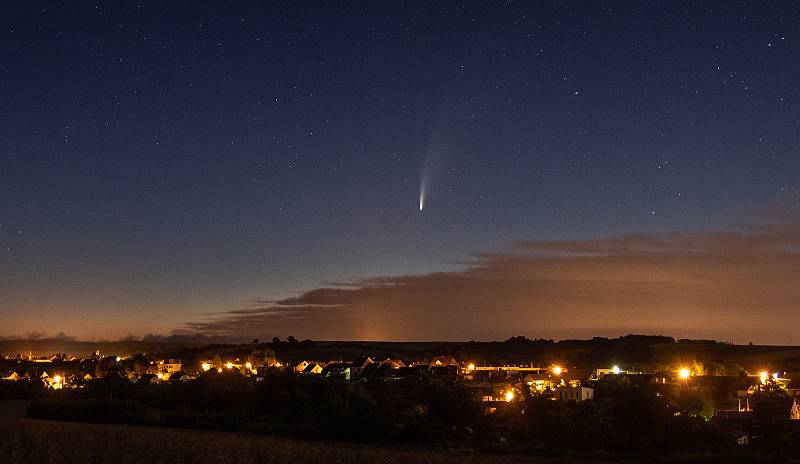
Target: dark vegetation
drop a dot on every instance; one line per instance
(628, 350)
(627, 420)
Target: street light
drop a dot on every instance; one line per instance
(684, 373)
(616, 370)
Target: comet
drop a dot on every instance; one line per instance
(430, 166)
(424, 182)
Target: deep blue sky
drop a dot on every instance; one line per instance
(160, 161)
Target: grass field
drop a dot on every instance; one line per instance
(30, 440)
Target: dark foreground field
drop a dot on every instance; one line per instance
(31, 440)
(26, 440)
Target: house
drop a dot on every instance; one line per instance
(541, 382)
(312, 368)
(12, 377)
(443, 361)
(55, 382)
(575, 377)
(170, 366)
(337, 369)
(600, 372)
(383, 370)
(574, 393)
(393, 363)
(492, 392)
(300, 367)
(793, 388)
(358, 366)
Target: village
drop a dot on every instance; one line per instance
(764, 395)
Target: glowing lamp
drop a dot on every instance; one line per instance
(557, 370)
(509, 396)
(684, 373)
(471, 367)
(615, 370)
(229, 365)
(764, 376)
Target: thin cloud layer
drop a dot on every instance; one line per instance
(735, 286)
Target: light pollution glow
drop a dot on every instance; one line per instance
(735, 285)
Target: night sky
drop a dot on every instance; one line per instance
(256, 170)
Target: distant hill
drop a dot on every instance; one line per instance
(630, 350)
(48, 346)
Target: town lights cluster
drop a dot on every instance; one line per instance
(764, 376)
(558, 382)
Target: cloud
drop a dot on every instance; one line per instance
(732, 285)
(62, 337)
